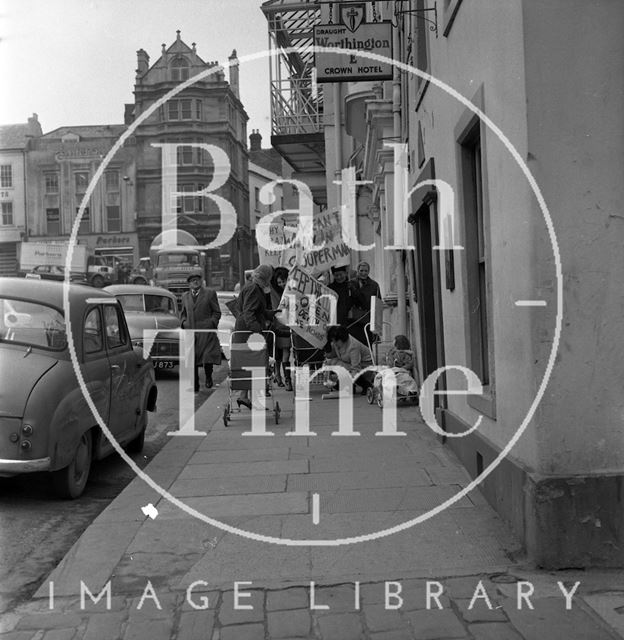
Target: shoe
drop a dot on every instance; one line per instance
(209, 383)
(288, 385)
(244, 402)
(278, 380)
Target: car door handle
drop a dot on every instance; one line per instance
(115, 367)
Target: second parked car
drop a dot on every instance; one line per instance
(152, 308)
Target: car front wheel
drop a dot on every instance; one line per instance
(71, 481)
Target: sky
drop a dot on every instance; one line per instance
(73, 62)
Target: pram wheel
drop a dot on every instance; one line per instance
(370, 395)
(277, 412)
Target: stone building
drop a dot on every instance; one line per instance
(530, 302)
(207, 112)
(14, 143)
(61, 166)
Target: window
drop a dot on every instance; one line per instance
(115, 333)
(53, 222)
(182, 109)
(92, 336)
(85, 221)
(179, 69)
(198, 109)
(81, 180)
(449, 13)
(112, 181)
(7, 213)
(173, 112)
(51, 183)
(477, 270)
(185, 108)
(188, 202)
(113, 219)
(6, 175)
(257, 198)
(185, 155)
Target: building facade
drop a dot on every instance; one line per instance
(14, 144)
(208, 112)
(61, 166)
(479, 285)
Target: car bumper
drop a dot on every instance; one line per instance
(13, 467)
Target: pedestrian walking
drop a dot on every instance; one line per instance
(200, 310)
(363, 288)
(254, 313)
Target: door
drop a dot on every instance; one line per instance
(428, 281)
(125, 372)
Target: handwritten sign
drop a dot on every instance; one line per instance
(328, 234)
(313, 309)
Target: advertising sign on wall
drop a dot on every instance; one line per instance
(360, 36)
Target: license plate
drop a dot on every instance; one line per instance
(163, 364)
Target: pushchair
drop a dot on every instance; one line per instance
(303, 354)
(258, 352)
(404, 384)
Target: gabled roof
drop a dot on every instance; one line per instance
(14, 136)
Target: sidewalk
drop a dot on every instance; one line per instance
(265, 485)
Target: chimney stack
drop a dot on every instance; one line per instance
(142, 62)
(255, 140)
(234, 74)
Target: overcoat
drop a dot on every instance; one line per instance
(253, 311)
(203, 313)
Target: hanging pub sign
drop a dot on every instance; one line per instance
(353, 32)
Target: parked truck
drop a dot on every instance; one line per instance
(171, 266)
(85, 265)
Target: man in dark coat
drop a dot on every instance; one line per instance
(343, 290)
(363, 288)
(200, 310)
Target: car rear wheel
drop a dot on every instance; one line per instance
(71, 481)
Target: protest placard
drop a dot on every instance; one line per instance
(306, 293)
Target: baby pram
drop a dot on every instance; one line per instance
(402, 383)
(247, 350)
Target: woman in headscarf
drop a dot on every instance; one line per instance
(253, 313)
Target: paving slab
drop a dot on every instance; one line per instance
(240, 455)
(240, 469)
(93, 557)
(551, 614)
(231, 485)
(240, 505)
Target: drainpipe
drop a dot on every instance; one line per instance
(401, 320)
(337, 135)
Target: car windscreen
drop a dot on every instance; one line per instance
(32, 324)
(148, 303)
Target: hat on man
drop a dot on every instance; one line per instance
(343, 268)
(194, 274)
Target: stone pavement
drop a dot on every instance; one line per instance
(458, 574)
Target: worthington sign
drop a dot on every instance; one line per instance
(373, 37)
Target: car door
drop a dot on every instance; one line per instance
(126, 375)
(95, 367)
